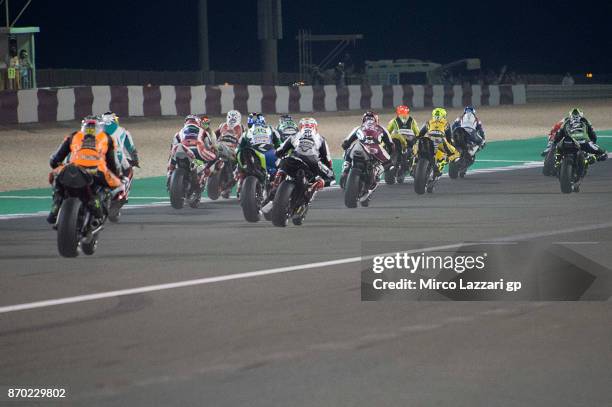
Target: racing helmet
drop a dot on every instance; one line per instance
(233, 117)
(369, 116)
(110, 121)
(193, 119)
(204, 122)
(438, 114)
(89, 126)
(308, 123)
(469, 109)
(576, 113)
(259, 120)
(402, 112)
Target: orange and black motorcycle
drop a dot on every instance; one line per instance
(83, 210)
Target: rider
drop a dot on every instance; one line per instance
(265, 139)
(194, 136)
(127, 154)
(469, 120)
(370, 132)
(312, 148)
(580, 129)
(309, 146)
(286, 127)
(251, 119)
(227, 136)
(439, 131)
(93, 150)
(401, 126)
(551, 136)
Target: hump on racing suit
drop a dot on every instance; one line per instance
(197, 140)
(312, 148)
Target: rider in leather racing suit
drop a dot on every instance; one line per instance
(309, 146)
(404, 127)
(439, 131)
(372, 132)
(127, 155)
(93, 150)
(551, 136)
(200, 142)
(227, 136)
(469, 120)
(265, 139)
(286, 127)
(580, 129)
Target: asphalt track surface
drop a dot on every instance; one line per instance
(304, 338)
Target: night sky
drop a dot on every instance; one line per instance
(528, 36)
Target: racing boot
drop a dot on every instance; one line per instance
(346, 166)
(55, 207)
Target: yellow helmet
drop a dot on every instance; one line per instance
(438, 113)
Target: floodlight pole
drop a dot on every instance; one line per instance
(203, 54)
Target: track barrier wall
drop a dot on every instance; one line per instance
(59, 104)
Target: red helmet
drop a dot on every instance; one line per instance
(369, 116)
(402, 111)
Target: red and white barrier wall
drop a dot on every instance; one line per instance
(49, 105)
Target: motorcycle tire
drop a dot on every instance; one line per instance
(352, 188)
(213, 185)
(249, 199)
(566, 174)
(177, 188)
(68, 227)
(454, 168)
(421, 175)
(282, 204)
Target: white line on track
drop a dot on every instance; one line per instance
(279, 270)
(525, 165)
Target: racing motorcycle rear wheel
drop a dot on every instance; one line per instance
(282, 204)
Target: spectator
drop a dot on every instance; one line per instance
(316, 76)
(339, 75)
(25, 69)
(13, 67)
(567, 80)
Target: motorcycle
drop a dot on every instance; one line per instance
(254, 185)
(402, 161)
(465, 142)
(293, 195)
(573, 165)
(82, 213)
(185, 184)
(425, 163)
(221, 179)
(365, 169)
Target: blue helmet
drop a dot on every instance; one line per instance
(259, 120)
(469, 109)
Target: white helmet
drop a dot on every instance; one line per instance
(309, 123)
(234, 117)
